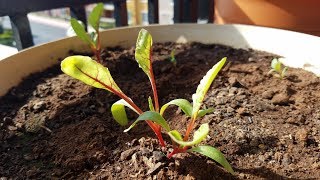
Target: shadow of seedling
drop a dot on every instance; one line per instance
(257, 145)
(266, 173)
(202, 168)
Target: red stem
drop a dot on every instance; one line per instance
(98, 50)
(177, 150)
(153, 84)
(156, 128)
(155, 96)
(189, 129)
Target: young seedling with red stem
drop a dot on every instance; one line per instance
(94, 39)
(96, 75)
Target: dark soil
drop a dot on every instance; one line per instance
(54, 127)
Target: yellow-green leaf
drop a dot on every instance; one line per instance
(198, 136)
(184, 104)
(276, 65)
(143, 51)
(90, 72)
(214, 154)
(94, 17)
(152, 116)
(203, 112)
(204, 86)
(119, 113)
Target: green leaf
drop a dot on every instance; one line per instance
(90, 72)
(119, 113)
(152, 116)
(198, 136)
(203, 112)
(204, 86)
(80, 31)
(276, 65)
(143, 51)
(184, 104)
(172, 57)
(214, 154)
(94, 17)
(150, 104)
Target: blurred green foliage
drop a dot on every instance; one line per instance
(6, 38)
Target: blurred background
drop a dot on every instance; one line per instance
(53, 24)
(25, 23)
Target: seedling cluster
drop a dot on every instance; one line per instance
(277, 68)
(93, 73)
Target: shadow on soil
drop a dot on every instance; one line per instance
(266, 173)
(256, 145)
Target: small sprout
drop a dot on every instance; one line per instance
(95, 74)
(93, 40)
(173, 58)
(276, 66)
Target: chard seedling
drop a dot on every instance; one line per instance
(276, 66)
(93, 40)
(173, 58)
(92, 73)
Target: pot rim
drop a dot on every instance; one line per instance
(300, 50)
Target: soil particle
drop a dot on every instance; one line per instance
(38, 106)
(155, 168)
(158, 156)
(280, 99)
(268, 94)
(302, 135)
(243, 111)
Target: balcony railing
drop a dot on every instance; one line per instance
(17, 10)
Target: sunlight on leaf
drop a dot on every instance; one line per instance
(276, 65)
(143, 51)
(198, 136)
(90, 72)
(94, 17)
(204, 86)
(80, 31)
(184, 104)
(214, 154)
(119, 113)
(152, 116)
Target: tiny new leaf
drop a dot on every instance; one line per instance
(204, 86)
(184, 104)
(119, 113)
(214, 154)
(172, 57)
(81, 32)
(203, 112)
(143, 51)
(94, 17)
(152, 116)
(198, 136)
(276, 65)
(151, 107)
(90, 72)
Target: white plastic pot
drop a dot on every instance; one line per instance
(299, 50)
